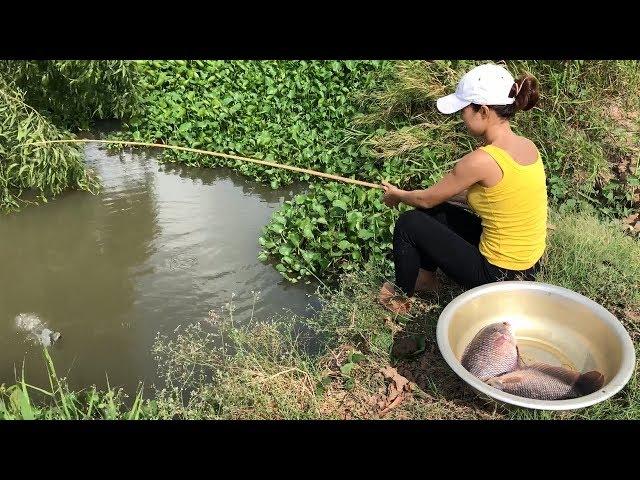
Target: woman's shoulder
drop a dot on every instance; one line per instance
(482, 154)
(528, 142)
(517, 141)
(518, 148)
(478, 156)
(477, 160)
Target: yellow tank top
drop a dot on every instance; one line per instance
(513, 212)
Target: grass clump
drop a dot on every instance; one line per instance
(23, 401)
(43, 100)
(35, 171)
(216, 370)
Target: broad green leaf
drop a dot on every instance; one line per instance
(340, 204)
(344, 245)
(365, 234)
(347, 368)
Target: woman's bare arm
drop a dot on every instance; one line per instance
(471, 169)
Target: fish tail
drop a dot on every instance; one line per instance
(495, 382)
(589, 382)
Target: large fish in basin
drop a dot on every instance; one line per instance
(548, 382)
(492, 352)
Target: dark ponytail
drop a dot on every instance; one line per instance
(526, 92)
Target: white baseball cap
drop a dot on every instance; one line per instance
(487, 84)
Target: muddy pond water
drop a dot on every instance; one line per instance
(160, 246)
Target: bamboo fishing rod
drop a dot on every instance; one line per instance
(214, 154)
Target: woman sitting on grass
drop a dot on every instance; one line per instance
(503, 182)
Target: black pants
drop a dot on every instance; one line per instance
(445, 237)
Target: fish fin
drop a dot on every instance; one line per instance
(513, 377)
(501, 381)
(590, 382)
(495, 382)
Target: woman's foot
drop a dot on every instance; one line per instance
(386, 292)
(391, 301)
(427, 281)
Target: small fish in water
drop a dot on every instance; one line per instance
(47, 337)
(492, 352)
(31, 324)
(547, 382)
